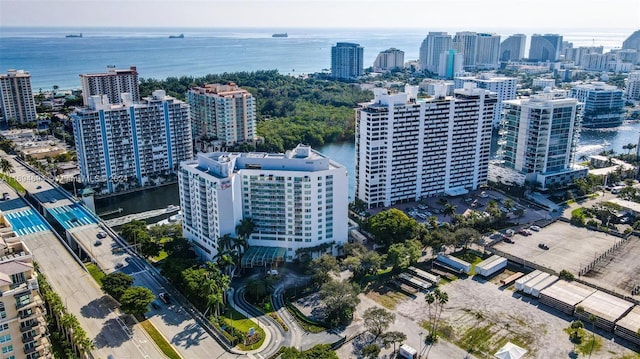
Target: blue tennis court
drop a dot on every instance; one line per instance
(71, 216)
(25, 222)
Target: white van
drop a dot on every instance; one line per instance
(407, 352)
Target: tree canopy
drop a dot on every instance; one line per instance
(135, 300)
(116, 283)
(391, 226)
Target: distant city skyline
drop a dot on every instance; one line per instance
(322, 14)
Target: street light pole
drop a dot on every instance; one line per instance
(421, 342)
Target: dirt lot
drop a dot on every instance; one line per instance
(482, 309)
(482, 315)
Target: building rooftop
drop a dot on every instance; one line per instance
(631, 321)
(570, 293)
(605, 306)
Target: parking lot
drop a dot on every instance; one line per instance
(573, 248)
(475, 200)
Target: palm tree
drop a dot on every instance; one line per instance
(592, 320)
(449, 209)
(5, 166)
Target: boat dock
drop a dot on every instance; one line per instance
(115, 222)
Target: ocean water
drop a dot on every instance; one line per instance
(53, 59)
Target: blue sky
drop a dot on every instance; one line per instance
(592, 14)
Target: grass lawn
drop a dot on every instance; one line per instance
(160, 341)
(162, 255)
(95, 272)
(234, 319)
(13, 183)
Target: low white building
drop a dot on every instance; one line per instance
(296, 200)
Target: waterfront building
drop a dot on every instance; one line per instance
(296, 200)
(111, 83)
(450, 63)
(488, 51)
(222, 113)
(23, 329)
(545, 47)
(632, 90)
(466, 43)
(409, 148)
(347, 60)
(433, 46)
(504, 87)
(603, 104)
(16, 97)
(538, 139)
(512, 48)
(389, 59)
(126, 145)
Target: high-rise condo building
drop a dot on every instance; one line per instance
(433, 46)
(538, 139)
(632, 91)
(407, 148)
(512, 48)
(488, 51)
(603, 105)
(504, 87)
(466, 43)
(296, 200)
(111, 83)
(450, 64)
(575, 54)
(225, 113)
(16, 97)
(545, 47)
(23, 329)
(389, 59)
(347, 60)
(131, 144)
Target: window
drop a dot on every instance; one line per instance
(3, 312)
(7, 349)
(5, 338)
(4, 327)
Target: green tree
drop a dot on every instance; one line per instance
(320, 351)
(5, 166)
(391, 226)
(256, 288)
(322, 267)
(377, 320)
(341, 299)
(370, 351)
(436, 301)
(402, 255)
(393, 337)
(135, 300)
(116, 283)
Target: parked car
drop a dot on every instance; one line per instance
(535, 228)
(507, 240)
(543, 246)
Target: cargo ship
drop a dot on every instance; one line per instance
(280, 35)
(74, 35)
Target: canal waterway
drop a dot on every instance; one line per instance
(592, 142)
